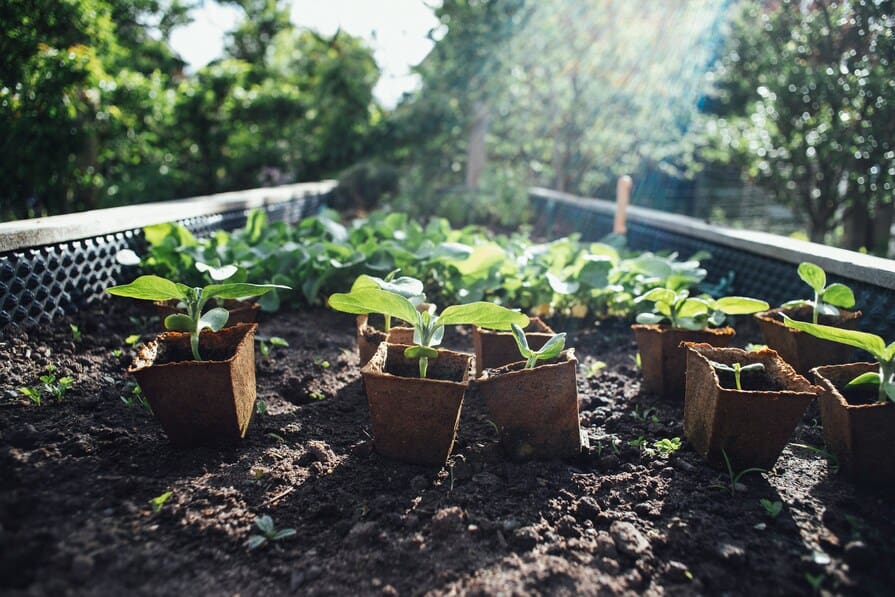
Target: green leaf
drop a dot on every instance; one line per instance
(277, 341)
(374, 300)
(839, 295)
(241, 290)
(179, 322)
(720, 366)
(159, 501)
(797, 303)
(740, 305)
(871, 378)
(552, 347)
(483, 314)
(217, 273)
(215, 319)
(521, 341)
(265, 525)
(149, 288)
(813, 275)
(663, 295)
(482, 258)
(255, 541)
(692, 307)
(869, 342)
(649, 318)
(417, 352)
(560, 286)
(283, 534)
(405, 285)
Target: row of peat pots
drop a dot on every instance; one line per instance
(414, 419)
(742, 406)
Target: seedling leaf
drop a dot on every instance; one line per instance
(813, 275)
(150, 288)
(839, 295)
(869, 342)
(179, 322)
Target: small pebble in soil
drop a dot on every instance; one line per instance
(858, 555)
(678, 572)
(525, 539)
(628, 539)
(567, 526)
(362, 532)
(732, 554)
(447, 521)
(587, 508)
(605, 545)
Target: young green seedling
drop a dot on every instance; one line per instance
(409, 288)
(269, 532)
(884, 379)
(155, 288)
(694, 313)
(826, 298)
(737, 370)
(773, 509)
(551, 348)
(666, 445)
(49, 386)
(428, 328)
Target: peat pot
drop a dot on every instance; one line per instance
(200, 402)
(535, 410)
(857, 429)
(663, 360)
(240, 311)
(495, 349)
(751, 425)
(415, 420)
(800, 349)
(369, 337)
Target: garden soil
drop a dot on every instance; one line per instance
(77, 478)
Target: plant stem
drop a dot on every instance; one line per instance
(814, 313)
(736, 375)
(388, 323)
(424, 366)
(531, 361)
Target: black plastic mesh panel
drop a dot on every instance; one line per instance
(40, 284)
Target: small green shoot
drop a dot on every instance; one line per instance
(667, 446)
(815, 580)
(551, 348)
(737, 370)
(157, 502)
(132, 339)
(321, 362)
(117, 353)
(884, 379)
(260, 407)
(266, 345)
(76, 334)
(269, 533)
(136, 398)
(734, 477)
(50, 386)
(155, 288)
(694, 313)
(772, 509)
(826, 298)
(639, 443)
(593, 368)
(648, 414)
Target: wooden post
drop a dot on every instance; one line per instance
(622, 198)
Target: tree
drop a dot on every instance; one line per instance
(805, 108)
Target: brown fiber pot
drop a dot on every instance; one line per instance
(200, 402)
(415, 420)
(535, 410)
(369, 338)
(495, 349)
(240, 311)
(751, 426)
(800, 349)
(858, 431)
(663, 360)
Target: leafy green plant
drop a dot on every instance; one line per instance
(269, 533)
(136, 398)
(645, 415)
(428, 328)
(666, 446)
(826, 298)
(76, 333)
(549, 350)
(157, 502)
(772, 509)
(266, 344)
(733, 476)
(155, 288)
(406, 286)
(884, 379)
(694, 313)
(50, 386)
(737, 369)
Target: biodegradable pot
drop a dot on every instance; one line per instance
(495, 349)
(240, 311)
(751, 425)
(800, 349)
(369, 338)
(200, 402)
(415, 420)
(857, 428)
(535, 410)
(663, 360)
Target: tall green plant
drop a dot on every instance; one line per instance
(826, 298)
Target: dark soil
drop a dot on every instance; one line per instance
(751, 381)
(77, 477)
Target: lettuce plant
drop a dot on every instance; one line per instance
(428, 328)
(884, 379)
(694, 313)
(155, 288)
(826, 298)
(551, 348)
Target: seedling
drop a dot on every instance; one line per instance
(428, 328)
(157, 502)
(737, 369)
(551, 348)
(815, 580)
(666, 446)
(409, 288)
(734, 477)
(75, 332)
(826, 298)
(132, 339)
(885, 355)
(694, 313)
(49, 387)
(155, 288)
(266, 345)
(136, 398)
(117, 353)
(261, 407)
(773, 509)
(269, 533)
(639, 443)
(593, 368)
(648, 414)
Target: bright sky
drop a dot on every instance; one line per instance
(394, 29)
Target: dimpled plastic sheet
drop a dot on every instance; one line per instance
(40, 284)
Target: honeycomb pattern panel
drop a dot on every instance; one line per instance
(38, 285)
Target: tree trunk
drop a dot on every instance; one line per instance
(882, 228)
(476, 155)
(856, 223)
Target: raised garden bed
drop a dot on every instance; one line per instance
(79, 476)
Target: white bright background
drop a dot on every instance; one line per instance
(394, 29)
